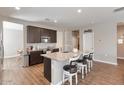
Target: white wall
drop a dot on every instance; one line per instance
(60, 39)
(68, 45)
(12, 38)
(105, 42)
(75, 42)
(75, 39)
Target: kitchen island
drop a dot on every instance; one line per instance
(53, 65)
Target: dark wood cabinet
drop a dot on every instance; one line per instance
(53, 36)
(35, 57)
(49, 33)
(55, 50)
(45, 32)
(47, 68)
(33, 34)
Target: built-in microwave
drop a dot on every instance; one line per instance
(45, 39)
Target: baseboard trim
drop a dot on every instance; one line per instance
(107, 62)
(11, 56)
(120, 57)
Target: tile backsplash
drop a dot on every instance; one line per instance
(39, 46)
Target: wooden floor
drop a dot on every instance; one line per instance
(102, 74)
(14, 73)
(105, 74)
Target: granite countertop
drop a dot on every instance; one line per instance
(59, 56)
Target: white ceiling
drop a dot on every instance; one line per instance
(66, 16)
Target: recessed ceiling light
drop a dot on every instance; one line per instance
(79, 10)
(17, 8)
(55, 21)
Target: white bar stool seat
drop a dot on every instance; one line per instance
(82, 65)
(70, 70)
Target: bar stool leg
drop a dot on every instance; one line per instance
(76, 78)
(91, 63)
(89, 66)
(63, 79)
(70, 80)
(82, 70)
(85, 69)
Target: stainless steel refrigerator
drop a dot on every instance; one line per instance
(1, 55)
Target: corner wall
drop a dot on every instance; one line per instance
(105, 42)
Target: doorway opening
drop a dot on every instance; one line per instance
(76, 39)
(88, 41)
(120, 42)
(13, 39)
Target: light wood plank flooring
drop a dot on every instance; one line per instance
(102, 74)
(14, 73)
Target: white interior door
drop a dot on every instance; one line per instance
(88, 41)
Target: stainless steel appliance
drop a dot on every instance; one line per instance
(45, 39)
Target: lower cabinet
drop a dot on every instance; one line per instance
(47, 68)
(55, 50)
(35, 58)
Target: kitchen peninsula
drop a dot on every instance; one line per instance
(53, 65)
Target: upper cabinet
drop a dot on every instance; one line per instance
(53, 35)
(33, 34)
(40, 35)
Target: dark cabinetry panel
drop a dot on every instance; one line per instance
(45, 32)
(53, 36)
(49, 33)
(35, 57)
(55, 50)
(33, 34)
(47, 68)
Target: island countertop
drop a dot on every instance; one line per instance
(60, 56)
(53, 65)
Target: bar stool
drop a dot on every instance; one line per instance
(90, 61)
(83, 65)
(19, 55)
(70, 70)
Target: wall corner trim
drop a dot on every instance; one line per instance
(107, 62)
